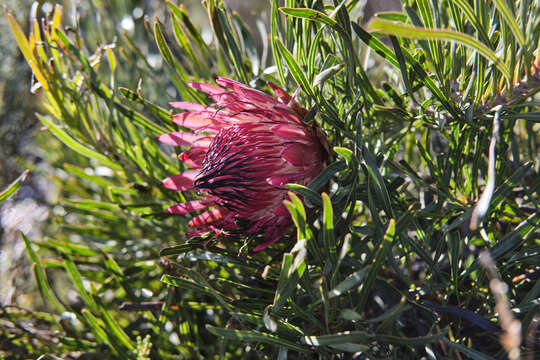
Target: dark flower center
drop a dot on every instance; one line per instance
(236, 166)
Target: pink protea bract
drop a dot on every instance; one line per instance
(243, 149)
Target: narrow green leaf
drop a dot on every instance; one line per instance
(132, 95)
(288, 279)
(512, 240)
(373, 171)
(339, 338)
(294, 68)
(181, 13)
(75, 276)
(13, 187)
(529, 116)
(380, 258)
(469, 13)
(375, 44)
(471, 353)
(185, 284)
(24, 46)
(184, 44)
(70, 248)
(274, 41)
(350, 281)
(329, 238)
(73, 144)
(327, 74)
(116, 330)
(256, 336)
(510, 20)
(324, 177)
(308, 194)
(235, 55)
(139, 118)
(283, 327)
(309, 14)
(415, 32)
(162, 44)
(98, 331)
(41, 277)
(345, 153)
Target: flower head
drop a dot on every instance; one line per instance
(244, 148)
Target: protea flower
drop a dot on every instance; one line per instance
(244, 148)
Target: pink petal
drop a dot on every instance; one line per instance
(247, 93)
(288, 99)
(208, 217)
(280, 180)
(192, 120)
(181, 182)
(187, 106)
(289, 132)
(295, 154)
(229, 83)
(282, 94)
(188, 207)
(194, 157)
(281, 210)
(180, 138)
(207, 88)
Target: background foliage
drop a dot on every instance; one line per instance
(434, 132)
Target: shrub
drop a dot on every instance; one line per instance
(419, 239)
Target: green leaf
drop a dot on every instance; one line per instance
(75, 145)
(529, 116)
(510, 20)
(375, 44)
(380, 187)
(308, 194)
(185, 284)
(294, 68)
(162, 44)
(415, 32)
(41, 277)
(181, 13)
(329, 238)
(327, 74)
(471, 16)
(24, 46)
(473, 354)
(13, 187)
(309, 14)
(350, 281)
(99, 332)
(75, 276)
(235, 55)
(256, 336)
(345, 153)
(116, 330)
(339, 338)
(380, 258)
(274, 39)
(324, 177)
(367, 338)
(291, 271)
(161, 112)
(511, 240)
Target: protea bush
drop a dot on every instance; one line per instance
(317, 185)
(244, 148)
